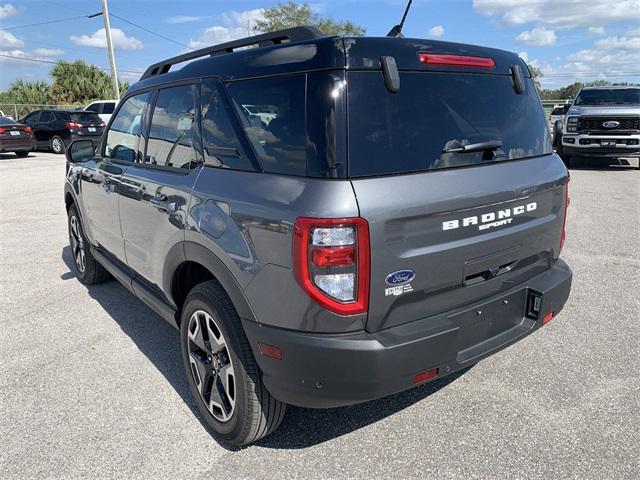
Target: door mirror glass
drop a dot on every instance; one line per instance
(80, 151)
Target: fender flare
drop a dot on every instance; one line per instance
(194, 252)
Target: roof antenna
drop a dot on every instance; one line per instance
(397, 30)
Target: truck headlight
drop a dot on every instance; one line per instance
(572, 124)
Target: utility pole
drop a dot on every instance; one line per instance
(112, 59)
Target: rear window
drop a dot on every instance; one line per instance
(85, 117)
(7, 121)
(408, 131)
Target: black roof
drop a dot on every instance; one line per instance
(305, 49)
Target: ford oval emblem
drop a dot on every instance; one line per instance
(610, 124)
(400, 277)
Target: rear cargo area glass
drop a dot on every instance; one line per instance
(407, 131)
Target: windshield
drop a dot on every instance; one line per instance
(613, 96)
(427, 123)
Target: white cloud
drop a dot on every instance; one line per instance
(538, 37)
(8, 40)
(99, 40)
(596, 30)
(233, 25)
(613, 55)
(183, 19)
(560, 14)
(47, 52)
(7, 10)
(436, 31)
(623, 42)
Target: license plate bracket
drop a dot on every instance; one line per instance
(490, 319)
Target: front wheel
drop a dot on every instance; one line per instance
(89, 271)
(222, 373)
(57, 144)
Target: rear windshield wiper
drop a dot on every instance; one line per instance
(475, 147)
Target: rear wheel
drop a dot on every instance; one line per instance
(222, 373)
(57, 144)
(21, 154)
(89, 271)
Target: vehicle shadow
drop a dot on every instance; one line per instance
(301, 427)
(603, 163)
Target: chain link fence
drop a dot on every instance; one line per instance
(20, 110)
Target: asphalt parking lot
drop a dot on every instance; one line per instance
(91, 381)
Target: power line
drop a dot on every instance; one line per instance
(45, 23)
(52, 62)
(151, 31)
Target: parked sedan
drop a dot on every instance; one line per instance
(16, 137)
(56, 129)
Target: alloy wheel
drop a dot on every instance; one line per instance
(211, 366)
(77, 243)
(57, 145)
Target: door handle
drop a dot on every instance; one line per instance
(162, 202)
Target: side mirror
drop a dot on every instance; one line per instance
(80, 151)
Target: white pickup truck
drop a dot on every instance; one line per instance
(603, 122)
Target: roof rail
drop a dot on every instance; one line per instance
(265, 39)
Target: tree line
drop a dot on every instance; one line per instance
(74, 83)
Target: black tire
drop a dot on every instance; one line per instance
(57, 144)
(88, 270)
(251, 412)
(21, 154)
(566, 159)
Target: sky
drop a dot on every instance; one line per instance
(569, 40)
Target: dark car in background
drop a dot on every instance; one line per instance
(56, 129)
(16, 137)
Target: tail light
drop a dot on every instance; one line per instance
(566, 208)
(102, 125)
(73, 125)
(28, 129)
(331, 262)
(441, 59)
(2, 130)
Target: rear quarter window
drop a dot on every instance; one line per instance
(408, 131)
(272, 114)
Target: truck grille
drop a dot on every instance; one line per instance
(594, 124)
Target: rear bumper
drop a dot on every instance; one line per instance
(95, 139)
(25, 145)
(323, 370)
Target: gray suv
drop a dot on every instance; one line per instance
(326, 220)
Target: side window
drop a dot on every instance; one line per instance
(126, 128)
(61, 116)
(221, 145)
(272, 112)
(46, 117)
(94, 107)
(108, 107)
(172, 133)
(33, 117)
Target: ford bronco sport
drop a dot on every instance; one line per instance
(326, 220)
(602, 122)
